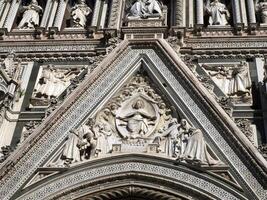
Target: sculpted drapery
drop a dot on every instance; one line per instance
(146, 9)
(79, 14)
(30, 17)
(218, 13)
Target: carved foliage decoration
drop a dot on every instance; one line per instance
(136, 120)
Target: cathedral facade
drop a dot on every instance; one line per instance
(133, 99)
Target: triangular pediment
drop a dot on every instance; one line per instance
(138, 85)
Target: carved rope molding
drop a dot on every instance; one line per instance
(86, 104)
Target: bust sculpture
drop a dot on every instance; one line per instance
(218, 13)
(79, 14)
(30, 17)
(145, 9)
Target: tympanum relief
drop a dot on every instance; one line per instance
(31, 15)
(137, 120)
(79, 13)
(233, 80)
(51, 83)
(217, 13)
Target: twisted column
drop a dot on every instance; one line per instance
(179, 12)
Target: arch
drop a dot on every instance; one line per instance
(104, 176)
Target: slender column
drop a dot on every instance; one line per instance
(243, 11)
(191, 14)
(46, 13)
(96, 13)
(179, 13)
(12, 14)
(52, 14)
(60, 13)
(2, 4)
(104, 14)
(199, 11)
(251, 11)
(4, 8)
(236, 9)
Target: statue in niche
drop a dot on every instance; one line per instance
(262, 11)
(218, 13)
(30, 18)
(138, 120)
(145, 9)
(234, 80)
(54, 81)
(79, 13)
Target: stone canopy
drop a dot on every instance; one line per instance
(26, 174)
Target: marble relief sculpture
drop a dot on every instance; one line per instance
(53, 81)
(79, 13)
(145, 9)
(262, 11)
(132, 121)
(31, 15)
(218, 13)
(233, 80)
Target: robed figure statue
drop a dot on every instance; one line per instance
(79, 14)
(30, 18)
(218, 13)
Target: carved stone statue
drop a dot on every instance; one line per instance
(145, 9)
(240, 81)
(195, 151)
(262, 10)
(104, 139)
(79, 14)
(168, 139)
(218, 13)
(30, 17)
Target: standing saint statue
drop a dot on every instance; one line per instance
(30, 18)
(218, 13)
(240, 82)
(146, 9)
(79, 14)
